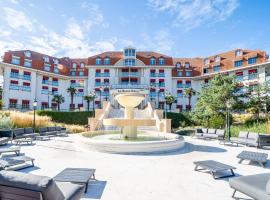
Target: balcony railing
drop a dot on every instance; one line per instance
(157, 74)
(105, 74)
(19, 76)
(183, 85)
(26, 88)
(129, 74)
(129, 86)
(252, 76)
(55, 83)
(76, 85)
(14, 87)
(17, 87)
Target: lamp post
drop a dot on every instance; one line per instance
(228, 107)
(100, 91)
(35, 107)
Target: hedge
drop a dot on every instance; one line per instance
(80, 118)
(179, 119)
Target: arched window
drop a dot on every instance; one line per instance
(98, 61)
(187, 65)
(217, 58)
(152, 61)
(107, 61)
(161, 61)
(238, 52)
(74, 65)
(27, 54)
(82, 65)
(46, 59)
(178, 65)
(206, 61)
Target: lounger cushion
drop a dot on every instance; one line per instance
(210, 135)
(254, 136)
(220, 132)
(28, 130)
(4, 140)
(211, 131)
(43, 184)
(58, 128)
(6, 133)
(268, 186)
(253, 185)
(18, 132)
(43, 129)
(243, 134)
(71, 191)
(51, 128)
(204, 130)
(238, 140)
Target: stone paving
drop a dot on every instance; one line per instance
(168, 176)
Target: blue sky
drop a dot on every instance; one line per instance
(180, 28)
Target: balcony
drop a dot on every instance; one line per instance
(129, 86)
(14, 87)
(153, 94)
(47, 68)
(157, 74)
(46, 82)
(252, 76)
(13, 105)
(180, 95)
(80, 94)
(26, 77)
(55, 83)
(129, 74)
(56, 70)
(14, 75)
(26, 88)
(105, 74)
(76, 85)
(44, 91)
(55, 92)
(183, 85)
(239, 78)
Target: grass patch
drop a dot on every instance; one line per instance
(254, 127)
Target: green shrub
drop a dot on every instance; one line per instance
(217, 121)
(5, 122)
(179, 119)
(80, 118)
(258, 128)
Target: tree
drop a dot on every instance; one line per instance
(258, 99)
(213, 98)
(72, 91)
(1, 96)
(170, 99)
(58, 98)
(88, 99)
(189, 93)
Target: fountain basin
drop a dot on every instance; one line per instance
(129, 122)
(103, 143)
(131, 100)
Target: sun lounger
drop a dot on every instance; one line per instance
(16, 163)
(14, 149)
(255, 186)
(260, 158)
(5, 136)
(18, 185)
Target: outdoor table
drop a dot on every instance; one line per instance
(260, 158)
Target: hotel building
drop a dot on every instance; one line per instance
(29, 75)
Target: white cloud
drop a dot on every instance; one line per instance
(74, 29)
(14, 1)
(17, 19)
(160, 41)
(193, 13)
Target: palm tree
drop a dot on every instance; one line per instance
(1, 100)
(58, 98)
(189, 93)
(72, 91)
(88, 99)
(170, 99)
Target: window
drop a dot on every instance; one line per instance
(252, 60)
(178, 65)
(56, 70)
(73, 73)
(179, 93)
(187, 65)
(180, 73)
(98, 61)
(55, 61)
(188, 73)
(46, 59)
(205, 70)
(107, 61)
(206, 61)
(27, 54)
(47, 67)
(74, 65)
(27, 63)
(238, 63)
(217, 58)
(15, 60)
(238, 52)
(152, 61)
(161, 61)
(81, 73)
(217, 68)
(130, 52)
(129, 62)
(82, 65)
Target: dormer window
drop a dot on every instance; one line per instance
(161, 61)
(27, 63)
(82, 65)
(27, 54)
(206, 61)
(238, 52)
(107, 61)
(46, 59)
(187, 65)
(217, 59)
(152, 61)
(55, 61)
(15, 60)
(130, 52)
(98, 61)
(178, 65)
(74, 65)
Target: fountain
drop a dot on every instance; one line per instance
(129, 101)
(130, 140)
